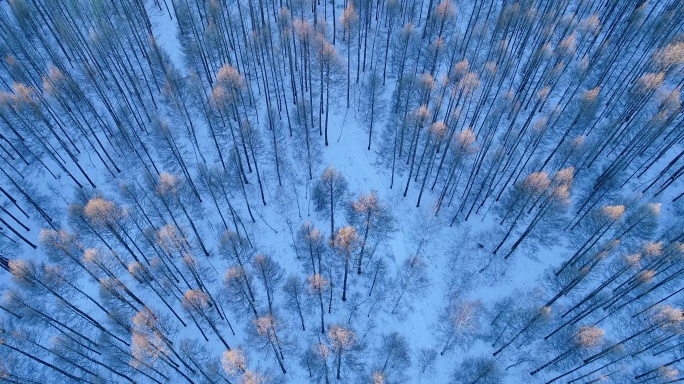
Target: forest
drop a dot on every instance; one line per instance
(341, 191)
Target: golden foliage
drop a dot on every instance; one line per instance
(329, 174)
(346, 240)
(537, 182)
(646, 276)
(168, 183)
(465, 141)
(613, 212)
(145, 319)
(590, 24)
(422, 113)
(265, 326)
(233, 273)
(671, 54)
(90, 255)
(654, 208)
(445, 9)
(633, 259)
(543, 93)
(462, 67)
(234, 361)
(145, 348)
(668, 373)
(253, 377)
(464, 316)
(469, 83)
(317, 283)
(195, 299)
(669, 317)
(591, 95)
(349, 16)
(438, 129)
(341, 337)
(101, 211)
(579, 141)
(568, 45)
(650, 81)
(565, 176)
(169, 238)
(653, 248)
(137, 270)
(427, 81)
(589, 336)
(20, 269)
(230, 77)
(323, 350)
(366, 202)
(491, 67)
(540, 125)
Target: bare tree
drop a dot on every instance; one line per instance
(411, 280)
(393, 359)
(330, 193)
(459, 324)
(478, 370)
(197, 303)
(372, 110)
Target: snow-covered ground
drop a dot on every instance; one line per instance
(461, 274)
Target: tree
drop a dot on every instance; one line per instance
(530, 190)
(172, 193)
(234, 361)
(267, 330)
(426, 361)
(371, 218)
(411, 280)
(554, 204)
(271, 276)
(309, 242)
(341, 340)
(393, 359)
(317, 285)
(459, 324)
(372, 110)
(346, 242)
(315, 361)
(104, 213)
(197, 303)
(329, 62)
(481, 370)
(293, 289)
(150, 341)
(587, 337)
(462, 146)
(349, 21)
(239, 290)
(330, 193)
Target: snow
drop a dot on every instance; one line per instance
(459, 259)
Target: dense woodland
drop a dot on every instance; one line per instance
(341, 191)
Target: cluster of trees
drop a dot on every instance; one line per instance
(558, 122)
(133, 280)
